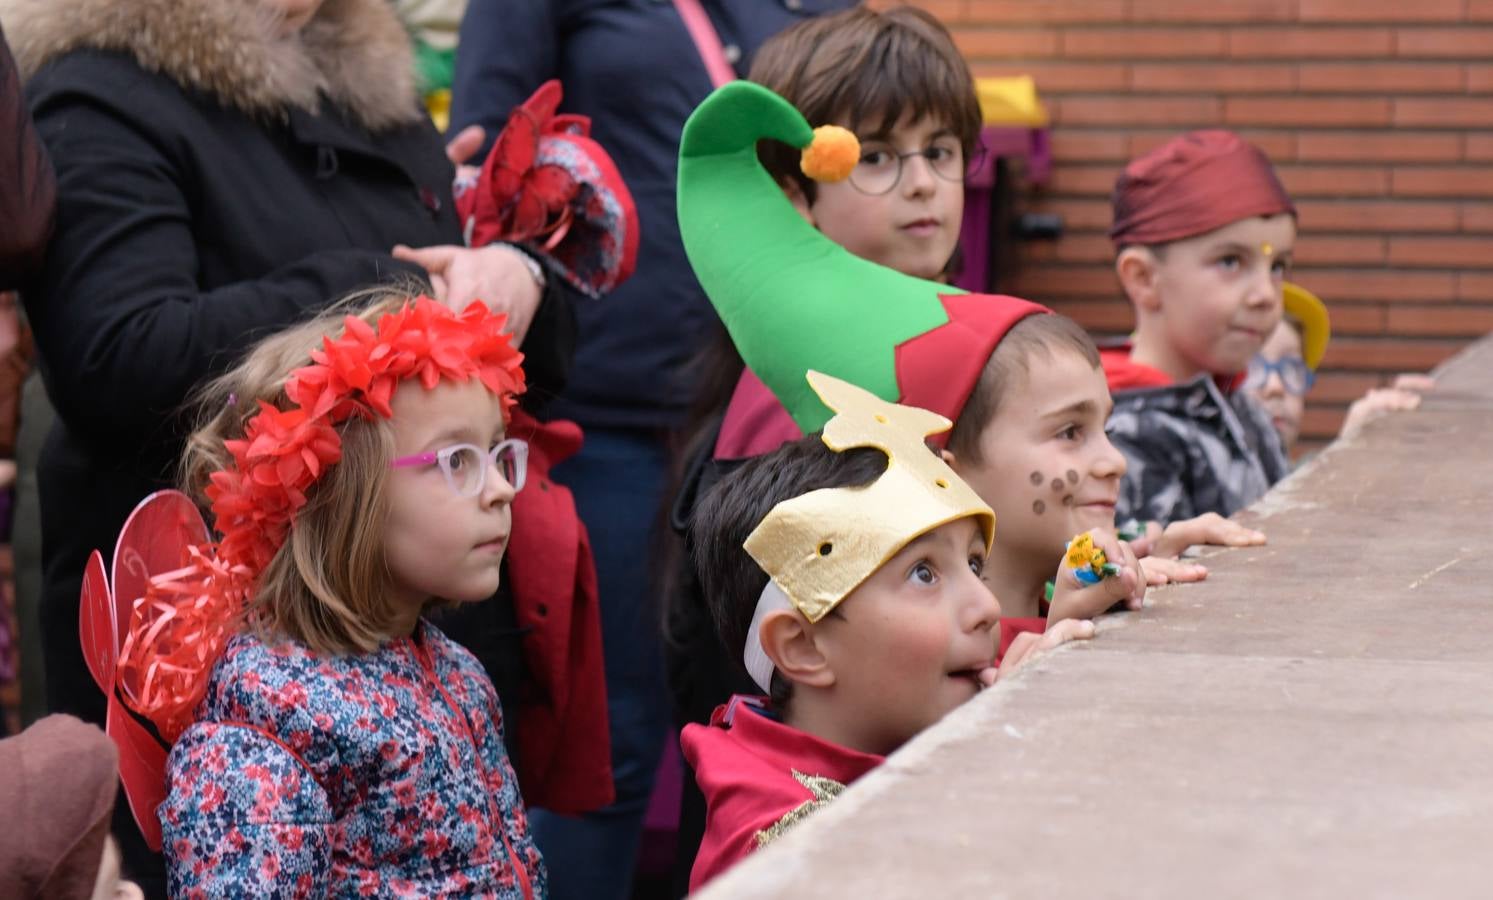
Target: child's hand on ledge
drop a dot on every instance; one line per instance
(1073, 599)
(1208, 528)
(1028, 646)
(1162, 570)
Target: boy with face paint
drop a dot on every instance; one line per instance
(1205, 235)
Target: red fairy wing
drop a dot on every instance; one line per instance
(154, 539)
(142, 768)
(96, 627)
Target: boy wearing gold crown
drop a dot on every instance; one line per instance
(844, 568)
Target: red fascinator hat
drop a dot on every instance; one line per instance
(548, 185)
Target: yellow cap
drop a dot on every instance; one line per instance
(1303, 306)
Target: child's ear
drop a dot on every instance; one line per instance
(788, 640)
(950, 459)
(1137, 268)
(796, 196)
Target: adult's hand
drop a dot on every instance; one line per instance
(462, 148)
(496, 274)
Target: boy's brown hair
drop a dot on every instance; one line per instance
(328, 586)
(867, 69)
(1044, 334)
(731, 580)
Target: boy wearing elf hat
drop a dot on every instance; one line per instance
(844, 571)
(793, 300)
(1205, 235)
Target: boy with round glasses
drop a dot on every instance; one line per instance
(895, 78)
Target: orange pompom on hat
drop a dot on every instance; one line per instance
(1191, 185)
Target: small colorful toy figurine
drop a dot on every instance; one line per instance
(1088, 561)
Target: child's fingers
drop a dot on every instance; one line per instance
(1209, 528)
(1132, 576)
(1162, 570)
(1065, 631)
(1410, 381)
(1028, 646)
(1021, 647)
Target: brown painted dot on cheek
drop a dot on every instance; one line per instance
(1057, 485)
(1072, 477)
(1037, 478)
(1039, 507)
(1068, 500)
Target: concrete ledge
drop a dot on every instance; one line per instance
(1315, 720)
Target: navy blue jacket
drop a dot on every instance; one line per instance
(631, 66)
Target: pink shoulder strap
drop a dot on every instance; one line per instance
(707, 41)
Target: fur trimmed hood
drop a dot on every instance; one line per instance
(353, 53)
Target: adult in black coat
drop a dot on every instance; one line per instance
(27, 190)
(224, 168)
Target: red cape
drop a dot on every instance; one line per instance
(745, 763)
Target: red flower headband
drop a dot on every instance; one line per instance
(180, 626)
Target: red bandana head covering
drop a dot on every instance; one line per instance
(1191, 185)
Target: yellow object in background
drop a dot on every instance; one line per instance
(438, 104)
(1011, 102)
(1316, 330)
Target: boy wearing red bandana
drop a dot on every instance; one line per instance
(1204, 234)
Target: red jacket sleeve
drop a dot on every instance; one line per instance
(1011, 627)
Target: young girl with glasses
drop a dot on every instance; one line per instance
(326, 740)
(1284, 371)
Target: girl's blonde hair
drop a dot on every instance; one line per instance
(328, 586)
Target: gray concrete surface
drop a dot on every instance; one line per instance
(1315, 720)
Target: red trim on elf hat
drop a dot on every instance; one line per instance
(938, 369)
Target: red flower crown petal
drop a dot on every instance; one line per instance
(178, 629)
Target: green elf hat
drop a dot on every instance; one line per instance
(793, 300)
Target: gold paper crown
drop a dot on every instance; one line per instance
(818, 547)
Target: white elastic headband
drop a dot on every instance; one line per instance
(753, 656)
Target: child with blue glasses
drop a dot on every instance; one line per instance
(1285, 369)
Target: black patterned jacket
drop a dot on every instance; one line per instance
(1192, 449)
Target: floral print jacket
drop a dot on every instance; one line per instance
(376, 774)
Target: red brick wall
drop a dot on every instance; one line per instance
(1378, 114)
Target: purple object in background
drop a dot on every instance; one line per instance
(1030, 144)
